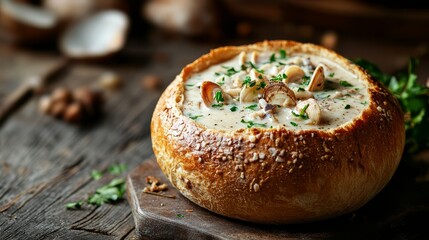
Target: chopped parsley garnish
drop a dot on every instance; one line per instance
(222, 81)
(117, 168)
(272, 58)
(252, 107)
(217, 105)
(233, 108)
(364, 103)
(195, 117)
(283, 54)
(306, 80)
(347, 106)
(345, 84)
(294, 124)
(254, 67)
(261, 85)
(300, 89)
(331, 74)
(279, 77)
(74, 205)
(190, 85)
(302, 114)
(217, 74)
(96, 175)
(179, 215)
(413, 98)
(229, 71)
(219, 97)
(248, 82)
(252, 124)
(111, 192)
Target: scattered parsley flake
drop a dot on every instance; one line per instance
(179, 215)
(248, 82)
(300, 89)
(96, 174)
(279, 77)
(219, 97)
(195, 117)
(252, 107)
(74, 205)
(221, 82)
(347, 106)
(112, 192)
(252, 124)
(233, 108)
(217, 105)
(273, 58)
(282, 53)
(345, 84)
(117, 168)
(331, 74)
(189, 85)
(294, 124)
(256, 69)
(261, 85)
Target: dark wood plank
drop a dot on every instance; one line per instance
(45, 163)
(401, 209)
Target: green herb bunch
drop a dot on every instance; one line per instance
(414, 100)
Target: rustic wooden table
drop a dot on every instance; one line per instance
(45, 163)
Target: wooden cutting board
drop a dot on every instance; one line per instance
(387, 216)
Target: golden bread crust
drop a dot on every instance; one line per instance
(298, 176)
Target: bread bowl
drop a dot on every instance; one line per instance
(323, 144)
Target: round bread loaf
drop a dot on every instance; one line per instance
(268, 133)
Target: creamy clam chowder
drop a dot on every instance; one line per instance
(274, 89)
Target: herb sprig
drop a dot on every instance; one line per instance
(253, 124)
(413, 98)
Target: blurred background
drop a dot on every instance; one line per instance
(79, 80)
(384, 32)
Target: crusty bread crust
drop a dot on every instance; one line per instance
(299, 176)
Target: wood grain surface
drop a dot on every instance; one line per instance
(45, 163)
(400, 211)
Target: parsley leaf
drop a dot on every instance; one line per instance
(96, 174)
(252, 124)
(283, 54)
(112, 192)
(74, 205)
(261, 85)
(217, 105)
(252, 107)
(117, 168)
(254, 67)
(230, 71)
(219, 97)
(345, 84)
(248, 82)
(195, 117)
(279, 77)
(233, 108)
(221, 82)
(273, 58)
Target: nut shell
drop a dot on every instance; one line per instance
(298, 176)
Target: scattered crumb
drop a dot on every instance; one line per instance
(329, 40)
(151, 82)
(155, 186)
(110, 81)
